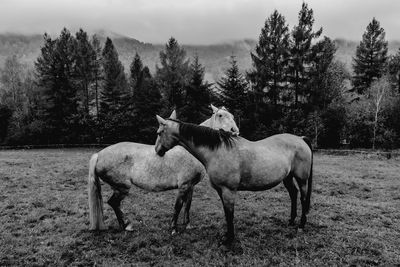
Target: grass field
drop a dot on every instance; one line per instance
(354, 219)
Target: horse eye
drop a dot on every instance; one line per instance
(219, 115)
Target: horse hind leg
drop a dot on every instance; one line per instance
(303, 198)
(115, 202)
(291, 188)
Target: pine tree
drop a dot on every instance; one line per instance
(113, 96)
(97, 72)
(320, 80)
(114, 84)
(146, 103)
(55, 69)
(233, 88)
(394, 69)
(136, 71)
(85, 56)
(269, 76)
(5, 116)
(371, 57)
(301, 54)
(173, 74)
(198, 92)
(270, 59)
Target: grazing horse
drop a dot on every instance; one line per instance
(234, 163)
(125, 164)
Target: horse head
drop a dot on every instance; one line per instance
(166, 134)
(222, 119)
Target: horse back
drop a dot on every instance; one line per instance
(128, 163)
(265, 163)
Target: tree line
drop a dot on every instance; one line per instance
(79, 91)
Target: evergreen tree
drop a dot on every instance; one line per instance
(55, 69)
(371, 57)
(85, 56)
(5, 116)
(394, 70)
(233, 87)
(322, 56)
(198, 92)
(301, 54)
(113, 96)
(173, 74)
(114, 88)
(270, 59)
(136, 72)
(269, 77)
(97, 72)
(146, 103)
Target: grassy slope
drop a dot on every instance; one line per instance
(355, 218)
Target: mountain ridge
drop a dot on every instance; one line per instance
(214, 57)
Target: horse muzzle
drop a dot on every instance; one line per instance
(160, 150)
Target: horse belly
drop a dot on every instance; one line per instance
(263, 174)
(153, 175)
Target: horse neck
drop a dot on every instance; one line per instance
(207, 122)
(202, 153)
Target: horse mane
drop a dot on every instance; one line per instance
(205, 136)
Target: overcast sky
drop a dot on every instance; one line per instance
(194, 21)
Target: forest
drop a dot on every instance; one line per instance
(78, 91)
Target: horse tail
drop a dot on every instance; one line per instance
(95, 199)
(309, 189)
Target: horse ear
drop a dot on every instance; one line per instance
(161, 120)
(173, 115)
(214, 109)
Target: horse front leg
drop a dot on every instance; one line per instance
(228, 201)
(177, 209)
(188, 203)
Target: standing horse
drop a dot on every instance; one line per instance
(125, 164)
(234, 163)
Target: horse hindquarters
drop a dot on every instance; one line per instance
(304, 182)
(95, 198)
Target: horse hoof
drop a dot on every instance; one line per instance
(227, 241)
(129, 228)
(174, 232)
(189, 227)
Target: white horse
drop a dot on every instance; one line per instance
(125, 164)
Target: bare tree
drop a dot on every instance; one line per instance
(381, 94)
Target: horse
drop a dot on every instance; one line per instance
(236, 164)
(125, 164)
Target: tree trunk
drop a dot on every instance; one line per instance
(374, 132)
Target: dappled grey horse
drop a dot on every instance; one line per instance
(125, 164)
(234, 163)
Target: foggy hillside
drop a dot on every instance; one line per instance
(215, 58)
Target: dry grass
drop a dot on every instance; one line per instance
(354, 219)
